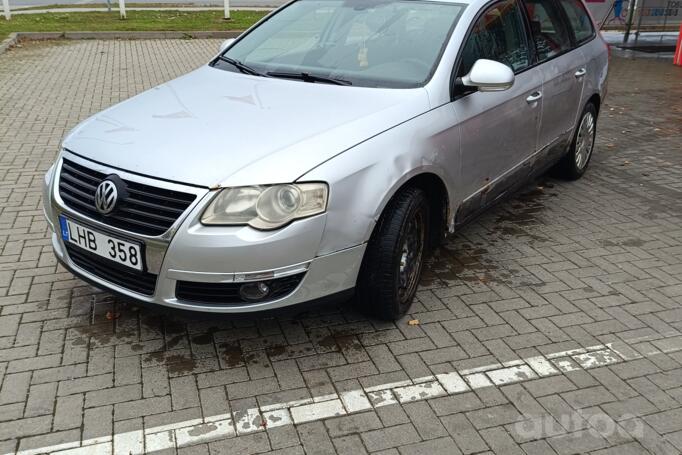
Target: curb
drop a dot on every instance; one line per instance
(9, 42)
(15, 38)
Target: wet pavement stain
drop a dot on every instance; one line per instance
(203, 339)
(276, 351)
(349, 343)
(174, 341)
(179, 364)
(461, 265)
(231, 355)
(102, 335)
(462, 261)
(328, 343)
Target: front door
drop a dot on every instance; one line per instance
(498, 129)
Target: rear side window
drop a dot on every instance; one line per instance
(578, 19)
(549, 30)
(498, 35)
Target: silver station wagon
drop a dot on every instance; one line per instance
(326, 151)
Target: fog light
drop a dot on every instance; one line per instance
(254, 291)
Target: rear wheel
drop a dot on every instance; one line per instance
(394, 257)
(574, 164)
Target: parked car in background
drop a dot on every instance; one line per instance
(325, 151)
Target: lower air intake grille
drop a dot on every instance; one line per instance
(140, 282)
(228, 293)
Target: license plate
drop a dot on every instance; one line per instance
(112, 248)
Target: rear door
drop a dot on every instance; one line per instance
(498, 129)
(563, 70)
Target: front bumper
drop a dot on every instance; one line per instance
(191, 252)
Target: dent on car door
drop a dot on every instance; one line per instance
(563, 69)
(498, 129)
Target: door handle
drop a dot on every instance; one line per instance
(533, 97)
(581, 72)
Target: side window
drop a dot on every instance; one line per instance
(498, 35)
(578, 19)
(548, 28)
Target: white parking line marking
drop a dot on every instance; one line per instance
(382, 398)
(511, 374)
(542, 366)
(128, 442)
(96, 449)
(566, 364)
(478, 380)
(160, 441)
(419, 392)
(597, 358)
(248, 421)
(452, 382)
(390, 385)
(355, 400)
(58, 447)
(317, 411)
(278, 418)
(209, 431)
(211, 428)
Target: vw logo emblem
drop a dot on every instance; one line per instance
(106, 197)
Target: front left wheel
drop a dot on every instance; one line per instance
(394, 258)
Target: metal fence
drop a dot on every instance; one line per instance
(644, 15)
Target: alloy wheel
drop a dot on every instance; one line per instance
(585, 140)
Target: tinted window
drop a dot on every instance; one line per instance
(549, 31)
(498, 35)
(578, 19)
(386, 43)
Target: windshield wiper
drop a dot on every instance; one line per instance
(307, 77)
(246, 69)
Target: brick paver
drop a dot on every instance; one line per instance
(550, 325)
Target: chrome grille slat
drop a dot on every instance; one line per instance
(78, 193)
(147, 210)
(78, 182)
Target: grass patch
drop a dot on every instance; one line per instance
(136, 21)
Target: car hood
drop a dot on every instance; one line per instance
(215, 127)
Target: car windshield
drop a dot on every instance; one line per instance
(370, 43)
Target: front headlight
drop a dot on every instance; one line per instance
(266, 207)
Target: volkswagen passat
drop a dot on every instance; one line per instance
(325, 151)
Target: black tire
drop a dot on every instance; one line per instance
(574, 164)
(383, 291)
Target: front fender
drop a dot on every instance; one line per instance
(363, 179)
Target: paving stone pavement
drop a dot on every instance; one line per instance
(550, 325)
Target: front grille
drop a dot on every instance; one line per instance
(140, 282)
(147, 210)
(228, 293)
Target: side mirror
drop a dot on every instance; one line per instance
(225, 44)
(489, 76)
